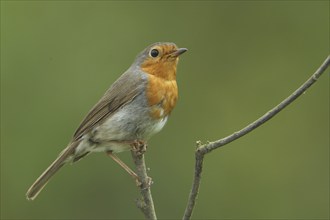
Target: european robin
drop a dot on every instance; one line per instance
(135, 107)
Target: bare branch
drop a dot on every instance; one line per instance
(207, 148)
(145, 204)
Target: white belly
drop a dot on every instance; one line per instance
(109, 137)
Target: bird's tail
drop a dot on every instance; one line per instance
(40, 183)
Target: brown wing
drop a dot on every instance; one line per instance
(123, 91)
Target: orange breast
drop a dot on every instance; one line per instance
(162, 95)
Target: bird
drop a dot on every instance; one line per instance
(135, 107)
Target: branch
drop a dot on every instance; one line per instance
(203, 149)
(145, 204)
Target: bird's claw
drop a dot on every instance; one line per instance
(139, 146)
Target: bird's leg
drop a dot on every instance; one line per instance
(123, 165)
(139, 147)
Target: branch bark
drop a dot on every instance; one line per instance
(203, 149)
(145, 204)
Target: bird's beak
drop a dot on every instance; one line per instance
(178, 52)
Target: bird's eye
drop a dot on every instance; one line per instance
(154, 53)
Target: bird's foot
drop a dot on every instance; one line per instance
(139, 147)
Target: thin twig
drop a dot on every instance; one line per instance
(145, 204)
(207, 148)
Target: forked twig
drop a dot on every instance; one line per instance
(203, 149)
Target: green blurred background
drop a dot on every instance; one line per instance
(58, 58)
